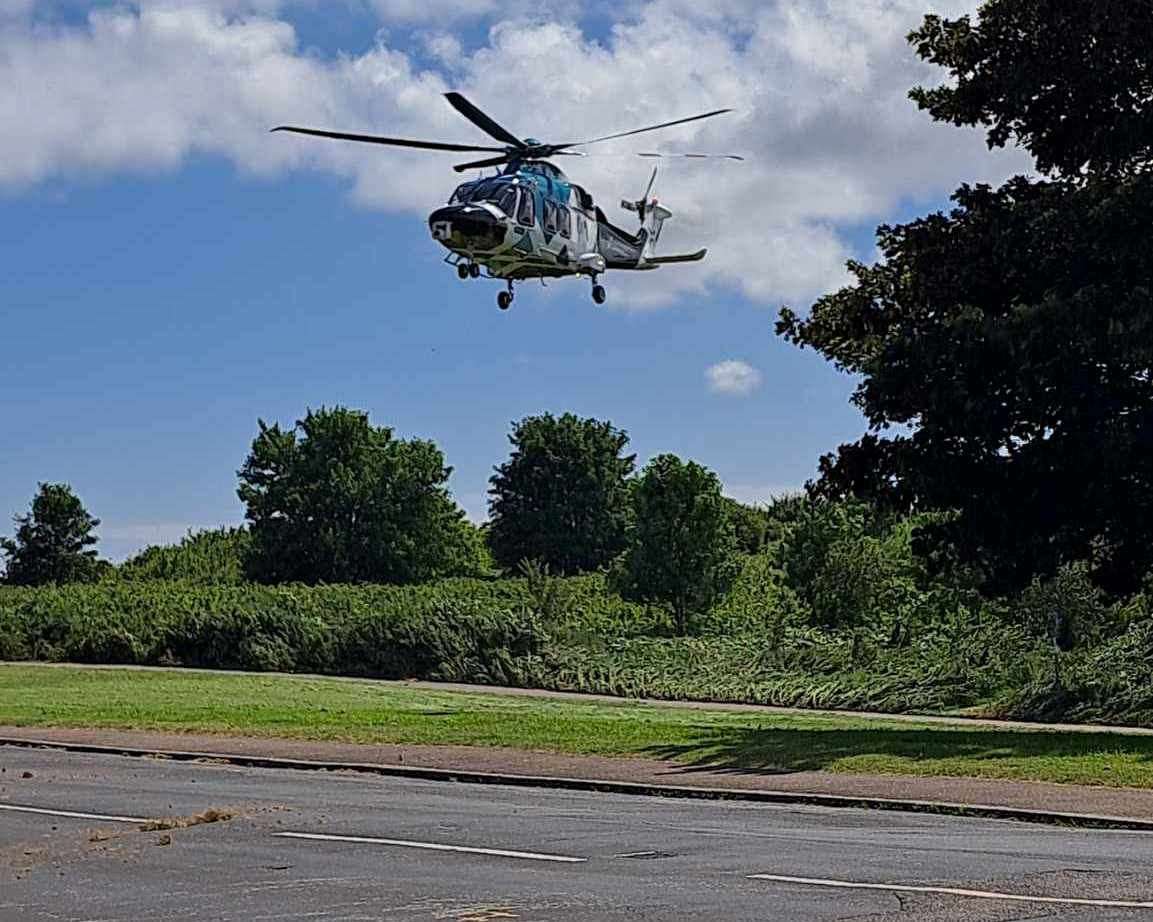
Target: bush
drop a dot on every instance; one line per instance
(213, 557)
(468, 630)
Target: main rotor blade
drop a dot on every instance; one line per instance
(625, 134)
(482, 121)
(655, 155)
(478, 164)
(394, 142)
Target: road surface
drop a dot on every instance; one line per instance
(74, 845)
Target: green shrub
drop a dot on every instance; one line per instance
(13, 645)
(213, 557)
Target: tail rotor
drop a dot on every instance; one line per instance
(644, 205)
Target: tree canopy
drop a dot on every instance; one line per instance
(562, 497)
(681, 549)
(54, 541)
(1071, 81)
(336, 499)
(1005, 350)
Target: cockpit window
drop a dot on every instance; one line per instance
(507, 201)
(462, 194)
(486, 190)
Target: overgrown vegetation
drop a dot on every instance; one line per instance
(858, 643)
(987, 545)
(214, 557)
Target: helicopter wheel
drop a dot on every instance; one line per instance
(599, 294)
(504, 300)
(473, 271)
(463, 271)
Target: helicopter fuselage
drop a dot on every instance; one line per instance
(531, 222)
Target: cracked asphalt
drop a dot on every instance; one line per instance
(370, 848)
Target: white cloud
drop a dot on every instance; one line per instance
(733, 377)
(756, 495)
(819, 87)
(439, 11)
(15, 8)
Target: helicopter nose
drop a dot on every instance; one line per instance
(466, 228)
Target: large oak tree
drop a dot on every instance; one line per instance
(1005, 349)
(338, 500)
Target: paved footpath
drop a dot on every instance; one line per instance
(1059, 798)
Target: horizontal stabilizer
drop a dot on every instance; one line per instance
(681, 258)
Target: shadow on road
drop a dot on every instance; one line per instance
(784, 751)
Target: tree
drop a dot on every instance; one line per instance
(751, 526)
(847, 565)
(1069, 80)
(561, 499)
(338, 500)
(681, 550)
(54, 541)
(1005, 350)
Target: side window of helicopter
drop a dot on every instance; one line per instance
(526, 214)
(550, 217)
(565, 222)
(507, 201)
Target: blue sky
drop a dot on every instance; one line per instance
(157, 302)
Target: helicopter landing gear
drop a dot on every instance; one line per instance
(599, 294)
(462, 271)
(504, 298)
(473, 271)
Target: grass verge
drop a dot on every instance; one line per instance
(368, 712)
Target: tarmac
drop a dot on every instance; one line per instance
(104, 838)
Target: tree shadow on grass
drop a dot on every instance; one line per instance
(785, 751)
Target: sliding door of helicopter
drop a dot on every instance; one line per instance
(558, 231)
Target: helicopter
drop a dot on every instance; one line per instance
(530, 221)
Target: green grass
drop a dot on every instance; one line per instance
(322, 709)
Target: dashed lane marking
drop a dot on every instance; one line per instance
(951, 891)
(431, 846)
(71, 814)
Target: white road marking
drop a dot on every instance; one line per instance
(431, 846)
(951, 891)
(13, 808)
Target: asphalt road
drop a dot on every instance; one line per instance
(330, 846)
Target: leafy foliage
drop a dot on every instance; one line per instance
(337, 499)
(216, 556)
(561, 499)
(54, 541)
(1072, 82)
(848, 566)
(1067, 609)
(752, 526)
(1021, 355)
(1011, 341)
(681, 549)
(463, 629)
